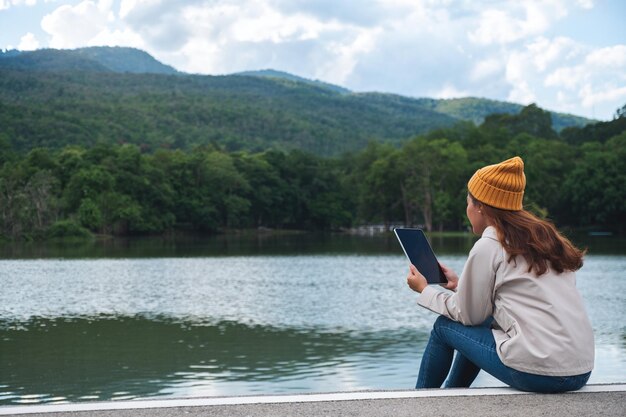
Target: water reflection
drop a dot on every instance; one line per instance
(226, 245)
(51, 360)
(292, 243)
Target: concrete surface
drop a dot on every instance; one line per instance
(593, 400)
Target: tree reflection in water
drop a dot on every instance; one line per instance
(47, 360)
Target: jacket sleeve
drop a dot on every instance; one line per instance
(472, 303)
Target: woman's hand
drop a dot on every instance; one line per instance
(416, 280)
(451, 276)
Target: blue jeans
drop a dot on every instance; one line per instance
(476, 350)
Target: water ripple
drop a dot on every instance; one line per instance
(78, 330)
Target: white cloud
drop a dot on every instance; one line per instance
(514, 21)
(125, 37)
(486, 68)
(28, 42)
(522, 93)
(546, 52)
(127, 6)
(609, 57)
(520, 76)
(345, 56)
(266, 24)
(592, 96)
(449, 91)
(231, 36)
(566, 77)
(527, 65)
(602, 66)
(598, 80)
(6, 4)
(73, 26)
(88, 23)
(517, 67)
(494, 27)
(409, 52)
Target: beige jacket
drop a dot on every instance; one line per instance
(540, 323)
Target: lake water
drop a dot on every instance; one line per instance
(123, 319)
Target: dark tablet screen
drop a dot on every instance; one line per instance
(420, 254)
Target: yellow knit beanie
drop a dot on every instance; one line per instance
(500, 185)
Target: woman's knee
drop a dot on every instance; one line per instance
(440, 323)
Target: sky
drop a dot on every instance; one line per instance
(564, 55)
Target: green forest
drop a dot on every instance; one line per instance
(109, 141)
(576, 178)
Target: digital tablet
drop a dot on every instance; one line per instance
(420, 254)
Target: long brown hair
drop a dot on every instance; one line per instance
(537, 240)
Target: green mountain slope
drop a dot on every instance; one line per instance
(270, 73)
(56, 98)
(476, 109)
(56, 109)
(97, 58)
(49, 60)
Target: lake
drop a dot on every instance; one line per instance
(237, 315)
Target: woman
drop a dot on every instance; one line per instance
(515, 312)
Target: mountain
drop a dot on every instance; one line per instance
(54, 98)
(97, 58)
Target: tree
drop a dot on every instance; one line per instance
(27, 209)
(217, 174)
(68, 161)
(12, 200)
(42, 206)
(382, 189)
(375, 177)
(595, 187)
(429, 169)
(6, 150)
(120, 213)
(264, 191)
(531, 120)
(547, 164)
(89, 214)
(89, 182)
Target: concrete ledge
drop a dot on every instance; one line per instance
(591, 400)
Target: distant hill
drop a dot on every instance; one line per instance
(55, 98)
(476, 109)
(97, 58)
(468, 108)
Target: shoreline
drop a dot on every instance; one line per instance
(360, 231)
(593, 400)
